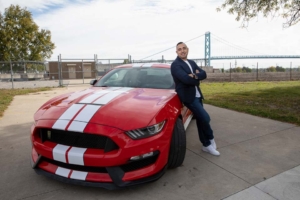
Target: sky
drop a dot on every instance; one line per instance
(150, 29)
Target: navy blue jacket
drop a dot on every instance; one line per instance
(184, 84)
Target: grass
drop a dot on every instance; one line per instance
(7, 95)
(274, 100)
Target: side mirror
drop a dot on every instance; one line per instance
(92, 82)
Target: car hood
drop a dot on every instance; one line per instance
(123, 108)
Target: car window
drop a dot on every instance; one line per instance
(159, 78)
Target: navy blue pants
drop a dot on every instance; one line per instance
(202, 119)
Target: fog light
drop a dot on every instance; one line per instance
(134, 158)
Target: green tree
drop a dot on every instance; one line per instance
(246, 69)
(239, 69)
(271, 69)
(246, 10)
(20, 38)
(280, 69)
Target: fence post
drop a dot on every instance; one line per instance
(59, 71)
(257, 71)
(230, 72)
(96, 66)
(11, 75)
(82, 71)
(290, 71)
(23, 62)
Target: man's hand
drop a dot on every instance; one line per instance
(194, 75)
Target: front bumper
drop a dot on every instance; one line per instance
(115, 173)
(92, 167)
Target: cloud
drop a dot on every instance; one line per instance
(33, 5)
(116, 28)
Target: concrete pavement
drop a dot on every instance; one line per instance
(260, 159)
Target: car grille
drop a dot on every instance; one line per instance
(75, 139)
(135, 165)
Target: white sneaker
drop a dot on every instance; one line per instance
(210, 149)
(213, 143)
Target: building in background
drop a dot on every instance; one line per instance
(72, 70)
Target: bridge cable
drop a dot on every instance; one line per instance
(172, 47)
(234, 45)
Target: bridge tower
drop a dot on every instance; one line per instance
(207, 49)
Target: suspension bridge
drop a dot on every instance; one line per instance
(208, 57)
(220, 43)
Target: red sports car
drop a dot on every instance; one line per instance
(126, 129)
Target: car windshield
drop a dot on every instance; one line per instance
(158, 78)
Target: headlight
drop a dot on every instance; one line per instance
(146, 132)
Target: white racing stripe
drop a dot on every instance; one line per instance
(78, 175)
(61, 124)
(148, 65)
(59, 152)
(92, 97)
(62, 172)
(75, 156)
(107, 98)
(87, 113)
(77, 126)
(137, 64)
(110, 96)
(64, 119)
(79, 123)
(69, 114)
(98, 94)
(81, 120)
(112, 88)
(125, 89)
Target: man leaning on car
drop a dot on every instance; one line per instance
(187, 76)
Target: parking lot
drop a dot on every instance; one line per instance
(260, 159)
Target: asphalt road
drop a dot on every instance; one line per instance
(260, 159)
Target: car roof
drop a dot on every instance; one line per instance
(144, 65)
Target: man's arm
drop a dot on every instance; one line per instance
(179, 73)
(200, 73)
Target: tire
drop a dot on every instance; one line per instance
(178, 145)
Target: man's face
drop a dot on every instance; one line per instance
(182, 51)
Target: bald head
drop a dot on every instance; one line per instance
(182, 50)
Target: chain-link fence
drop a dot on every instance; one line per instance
(288, 71)
(64, 72)
(70, 71)
(23, 74)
